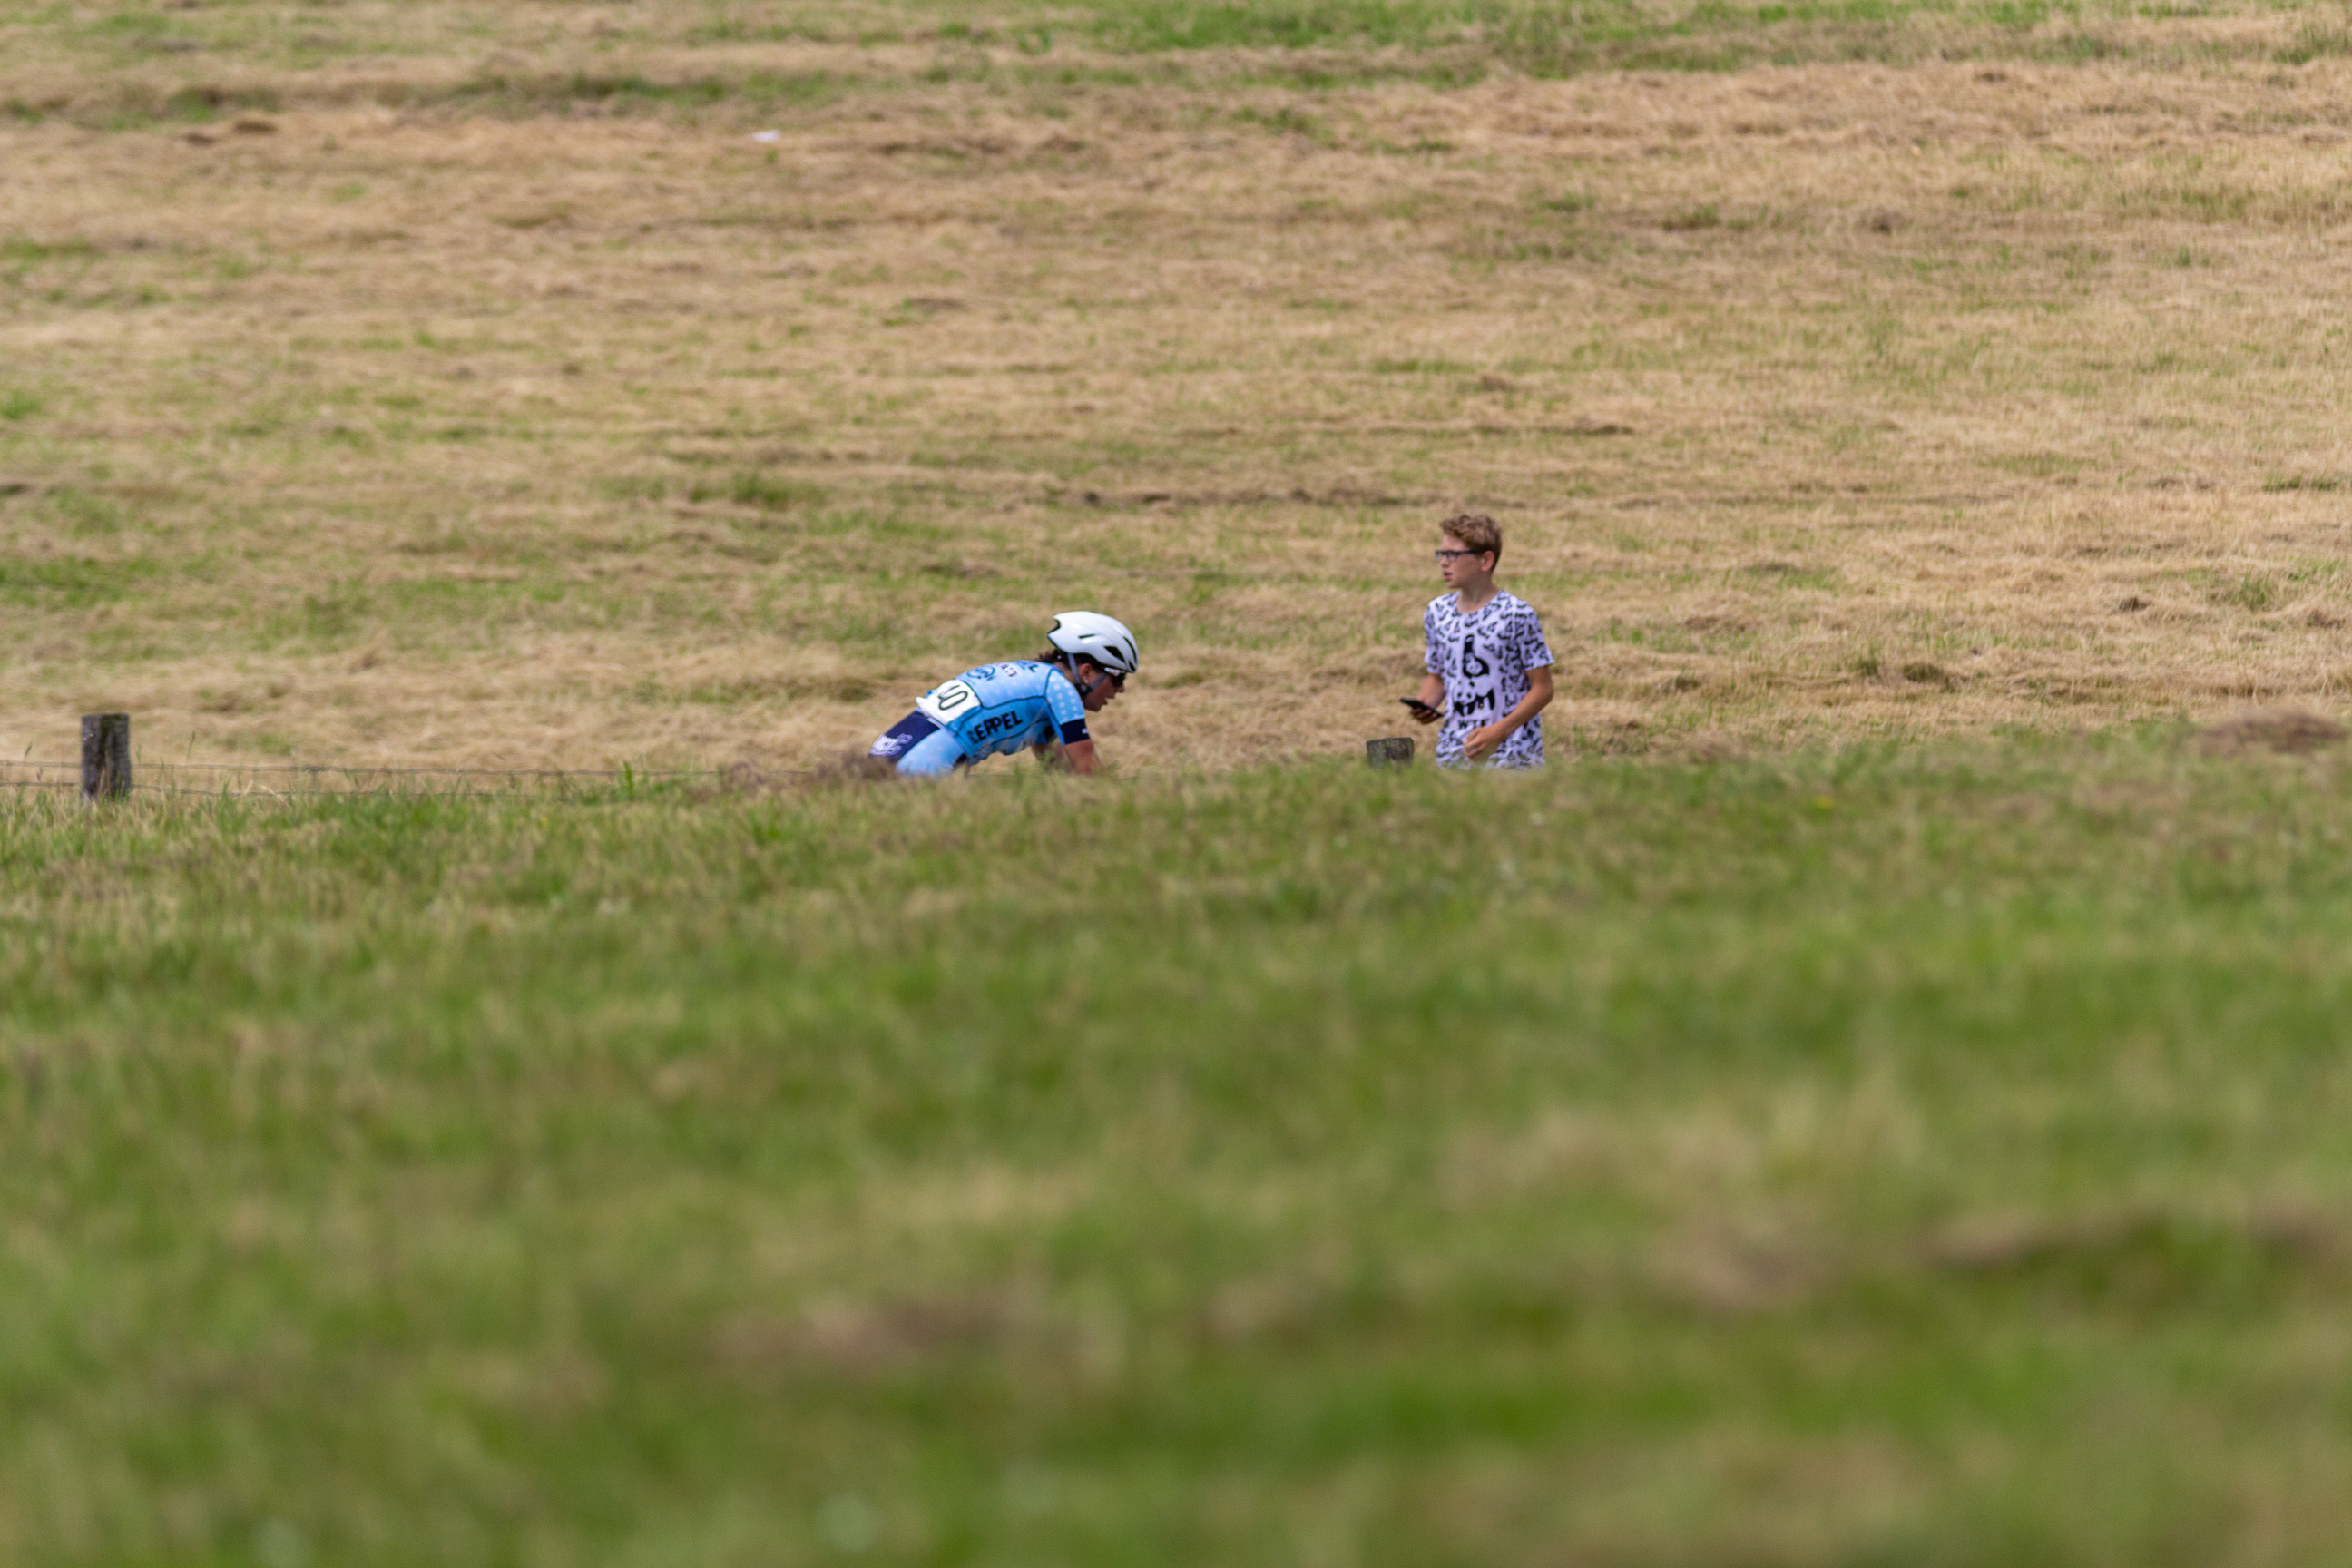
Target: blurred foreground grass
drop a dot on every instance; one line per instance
(1886, 1156)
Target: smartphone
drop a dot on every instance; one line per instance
(1420, 709)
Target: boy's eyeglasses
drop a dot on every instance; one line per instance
(1446, 556)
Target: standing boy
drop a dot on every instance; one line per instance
(1488, 662)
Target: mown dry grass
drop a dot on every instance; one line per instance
(493, 396)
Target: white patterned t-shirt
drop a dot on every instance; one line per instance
(1483, 661)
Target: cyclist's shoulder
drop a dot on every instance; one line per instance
(1010, 677)
(1036, 673)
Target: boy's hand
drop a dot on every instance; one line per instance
(1483, 741)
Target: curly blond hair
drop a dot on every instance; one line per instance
(1477, 530)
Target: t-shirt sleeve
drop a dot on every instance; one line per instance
(1429, 636)
(1533, 649)
(1065, 708)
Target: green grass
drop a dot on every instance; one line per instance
(1329, 42)
(1886, 1156)
(69, 582)
(764, 491)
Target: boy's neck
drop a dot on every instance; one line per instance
(1475, 595)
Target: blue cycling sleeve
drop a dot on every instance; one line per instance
(1074, 731)
(1065, 707)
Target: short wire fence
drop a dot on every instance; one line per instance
(289, 781)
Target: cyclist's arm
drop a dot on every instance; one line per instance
(1078, 756)
(1065, 714)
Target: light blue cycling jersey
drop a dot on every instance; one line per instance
(1001, 708)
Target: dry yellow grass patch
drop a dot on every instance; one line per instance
(1818, 402)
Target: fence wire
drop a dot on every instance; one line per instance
(216, 780)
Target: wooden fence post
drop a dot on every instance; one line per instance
(105, 756)
(1393, 753)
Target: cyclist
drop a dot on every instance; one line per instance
(1040, 703)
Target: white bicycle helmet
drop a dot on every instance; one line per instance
(1085, 635)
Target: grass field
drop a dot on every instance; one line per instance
(1878, 1098)
(1886, 1156)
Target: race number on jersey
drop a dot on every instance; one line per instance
(945, 703)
